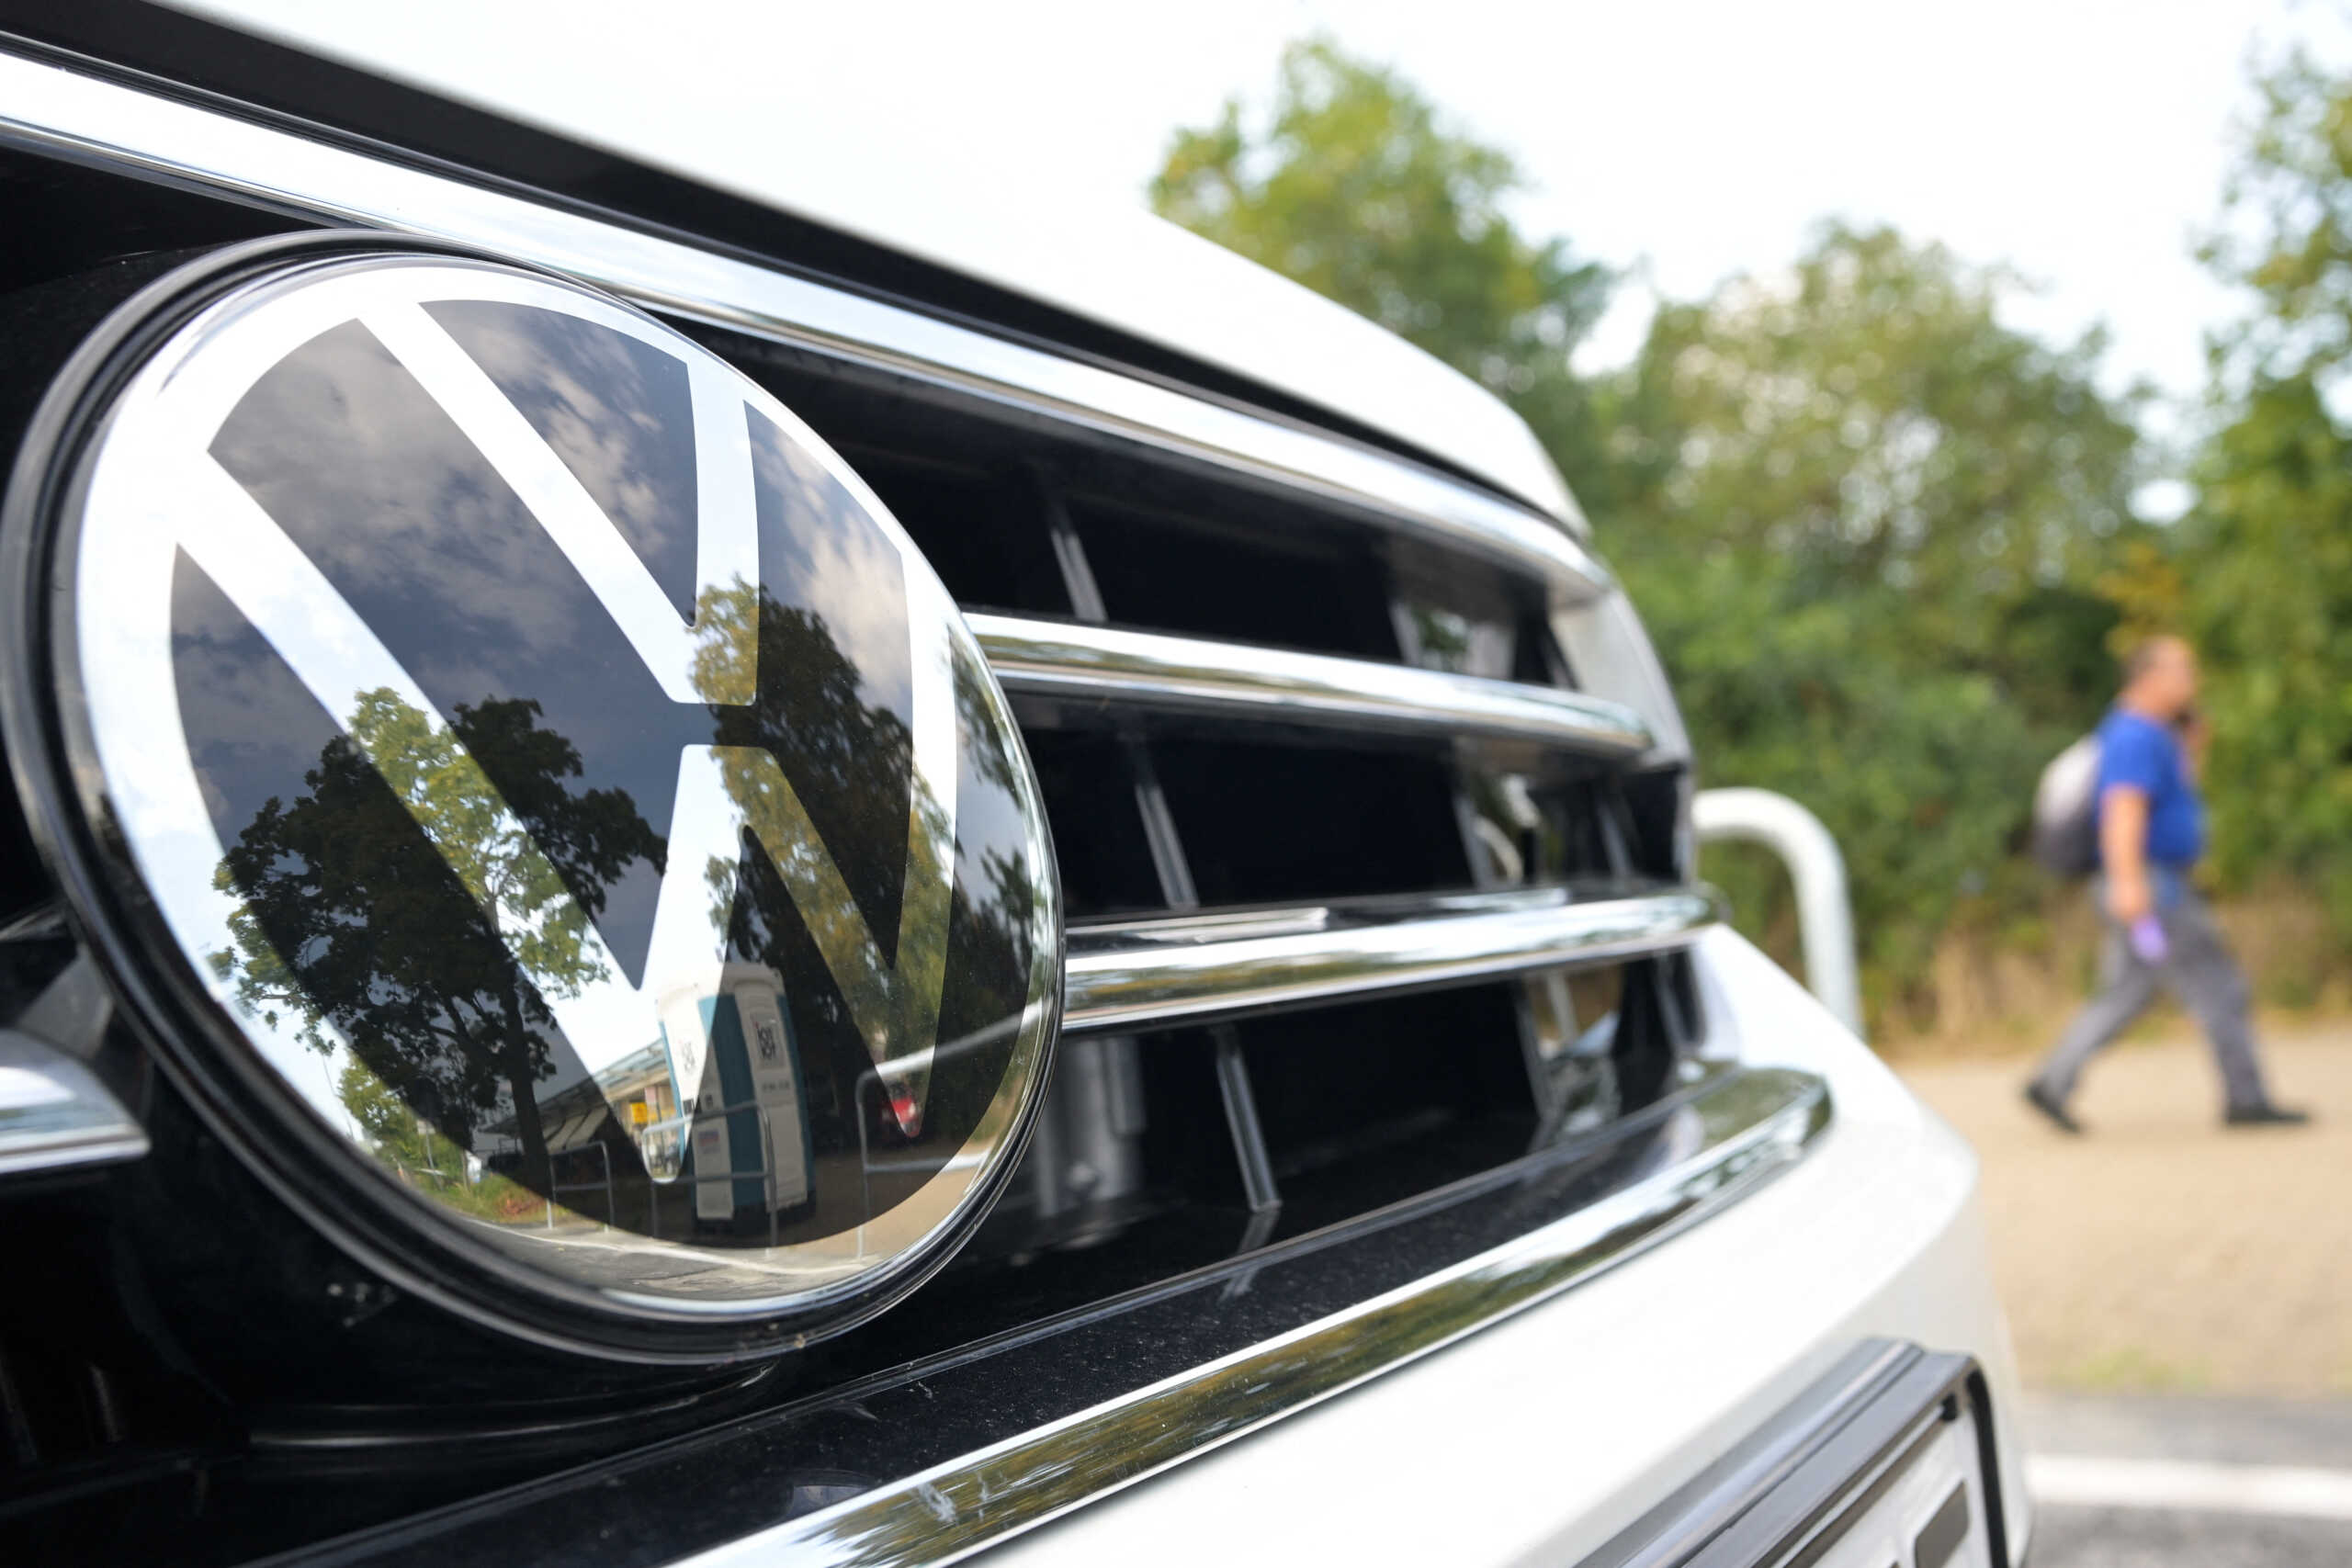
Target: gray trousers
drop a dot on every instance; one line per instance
(2198, 970)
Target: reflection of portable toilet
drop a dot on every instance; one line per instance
(740, 1071)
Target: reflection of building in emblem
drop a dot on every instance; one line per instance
(634, 1099)
(715, 1102)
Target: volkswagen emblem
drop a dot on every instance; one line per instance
(549, 815)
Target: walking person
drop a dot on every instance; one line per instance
(2150, 829)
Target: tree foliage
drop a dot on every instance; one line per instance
(2263, 564)
(1866, 521)
(1354, 184)
(1866, 420)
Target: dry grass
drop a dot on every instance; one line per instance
(2162, 1252)
(1990, 995)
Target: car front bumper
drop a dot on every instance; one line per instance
(1546, 1436)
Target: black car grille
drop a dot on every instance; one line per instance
(1232, 1122)
(1178, 1146)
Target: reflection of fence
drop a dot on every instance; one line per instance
(675, 1133)
(612, 1205)
(682, 1127)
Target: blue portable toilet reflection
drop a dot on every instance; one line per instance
(749, 1114)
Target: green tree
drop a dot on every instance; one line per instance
(1354, 184)
(385, 1120)
(888, 972)
(2263, 561)
(1866, 522)
(426, 1158)
(1866, 420)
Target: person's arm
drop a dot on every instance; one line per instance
(2123, 851)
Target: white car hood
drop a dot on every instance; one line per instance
(708, 94)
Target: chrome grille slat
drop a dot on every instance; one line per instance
(54, 1113)
(1148, 670)
(1169, 971)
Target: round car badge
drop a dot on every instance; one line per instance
(555, 821)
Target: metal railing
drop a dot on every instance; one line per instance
(684, 1122)
(555, 1187)
(1825, 911)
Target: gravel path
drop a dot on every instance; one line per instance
(2161, 1252)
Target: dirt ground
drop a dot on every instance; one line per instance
(2161, 1252)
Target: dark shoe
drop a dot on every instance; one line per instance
(2264, 1115)
(2050, 1105)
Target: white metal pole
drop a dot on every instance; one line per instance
(1825, 912)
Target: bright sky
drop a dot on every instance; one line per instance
(2080, 142)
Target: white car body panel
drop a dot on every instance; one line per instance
(1537, 1440)
(704, 94)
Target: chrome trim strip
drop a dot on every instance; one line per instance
(54, 1114)
(1818, 1467)
(1674, 1531)
(1193, 967)
(1747, 1128)
(1108, 664)
(65, 114)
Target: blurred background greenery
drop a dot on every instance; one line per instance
(1887, 544)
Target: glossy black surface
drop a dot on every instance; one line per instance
(64, 220)
(703, 1491)
(418, 532)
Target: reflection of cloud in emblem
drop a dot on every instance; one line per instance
(400, 463)
(616, 410)
(836, 563)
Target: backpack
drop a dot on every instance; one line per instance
(2065, 810)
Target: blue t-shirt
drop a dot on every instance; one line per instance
(2147, 756)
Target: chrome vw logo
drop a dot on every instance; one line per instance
(563, 770)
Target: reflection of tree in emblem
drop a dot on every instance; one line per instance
(349, 916)
(431, 897)
(422, 1157)
(854, 768)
